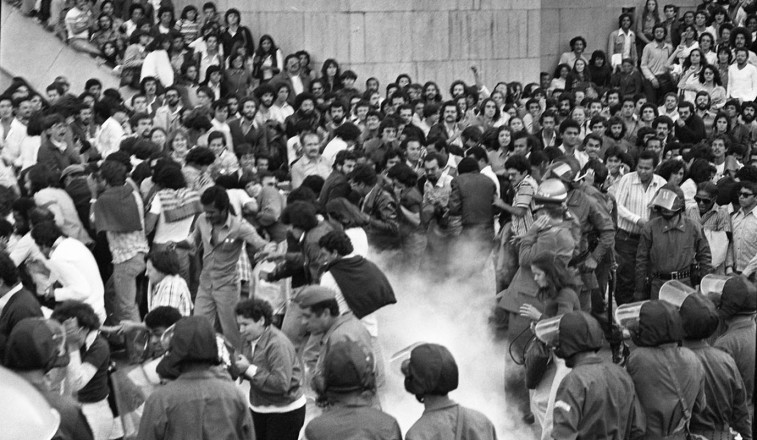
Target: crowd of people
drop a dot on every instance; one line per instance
(233, 219)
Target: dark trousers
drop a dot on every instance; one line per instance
(657, 95)
(625, 251)
(278, 426)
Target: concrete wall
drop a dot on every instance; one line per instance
(562, 20)
(428, 39)
(29, 51)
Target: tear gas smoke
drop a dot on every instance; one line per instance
(452, 312)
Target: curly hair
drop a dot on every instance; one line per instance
(83, 312)
(255, 309)
(336, 241)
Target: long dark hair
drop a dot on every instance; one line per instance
(557, 274)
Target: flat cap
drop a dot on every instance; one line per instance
(313, 295)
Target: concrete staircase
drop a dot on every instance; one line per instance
(29, 51)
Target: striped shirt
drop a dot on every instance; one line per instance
(171, 291)
(744, 240)
(633, 200)
(523, 195)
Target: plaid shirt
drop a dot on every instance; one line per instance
(126, 245)
(171, 291)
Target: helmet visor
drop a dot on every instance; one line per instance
(627, 315)
(548, 330)
(665, 199)
(675, 292)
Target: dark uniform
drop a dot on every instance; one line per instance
(669, 379)
(723, 387)
(596, 226)
(596, 400)
(725, 395)
(667, 251)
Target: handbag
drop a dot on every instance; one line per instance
(536, 358)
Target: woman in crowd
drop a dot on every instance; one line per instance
(648, 17)
(557, 294)
(267, 61)
(692, 70)
(269, 362)
(579, 77)
(331, 76)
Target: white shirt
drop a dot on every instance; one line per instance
(488, 172)
(158, 65)
(224, 128)
(74, 267)
(332, 148)
(29, 149)
(742, 83)
(109, 139)
(16, 135)
(297, 84)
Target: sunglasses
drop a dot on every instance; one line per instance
(702, 200)
(745, 194)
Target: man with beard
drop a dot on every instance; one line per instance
(689, 126)
(672, 246)
(654, 66)
(449, 128)
(168, 115)
(434, 212)
(338, 114)
(703, 104)
(266, 95)
(247, 130)
(306, 111)
(293, 77)
(742, 77)
(745, 130)
(336, 185)
(378, 206)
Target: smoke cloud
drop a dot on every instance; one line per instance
(454, 313)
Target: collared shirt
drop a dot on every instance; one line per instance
(623, 42)
(305, 166)
(667, 247)
(716, 219)
(438, 192)
(171, 291)
(654, 59)
(221, 248)
(744, 240)
(633, 200)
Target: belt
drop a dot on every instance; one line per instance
(677, 275)
(625, 234)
